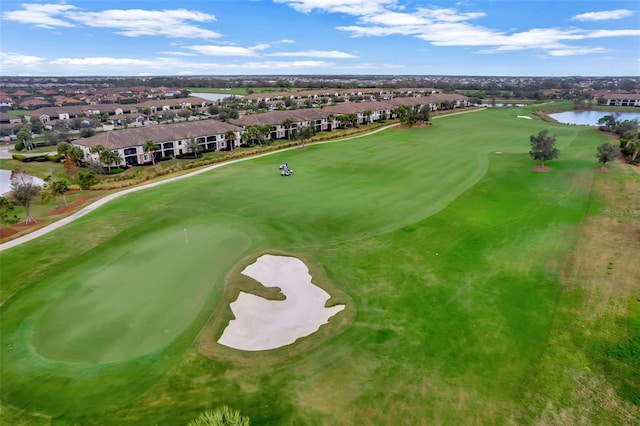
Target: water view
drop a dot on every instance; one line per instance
(214, 96)
(5, 181)
(590, 118)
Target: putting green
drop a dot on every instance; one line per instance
(138, 297)
(455, 258)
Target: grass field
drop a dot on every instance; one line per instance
(478, 290)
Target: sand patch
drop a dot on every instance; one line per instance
(262, 324)
(541, 169)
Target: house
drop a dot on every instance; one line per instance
(5, 103)
(622, 99)
(326, 119)
(170, 140)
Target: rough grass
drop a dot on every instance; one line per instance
(458, 261)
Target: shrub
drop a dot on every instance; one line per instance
(113, 171)
(19, 146)
(56, 158)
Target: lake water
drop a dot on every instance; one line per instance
(214, 96)
(5, 181)
(590, 118)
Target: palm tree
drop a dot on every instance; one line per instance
(150, 147)
(230, 136)
(331, 118)
(305, 133)
(24, 136)
(221, 416)
(76, 154)
(253, 133)
(367, 113)
(265, 131)
(286, 123)
(193, 147)
(109, 158)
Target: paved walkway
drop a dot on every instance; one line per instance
(4, 151)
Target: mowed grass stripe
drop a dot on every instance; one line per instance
(436, 337)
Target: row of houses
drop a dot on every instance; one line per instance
(212, 135)
(84, 96)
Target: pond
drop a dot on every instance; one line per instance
(590, 118)
(214, 96)
(5, 181)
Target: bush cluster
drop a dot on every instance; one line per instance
(56, 158)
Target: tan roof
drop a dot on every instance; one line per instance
(158, 133)
(307, 114)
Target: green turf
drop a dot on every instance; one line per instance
(448, 244)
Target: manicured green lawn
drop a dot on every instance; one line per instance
(450, 248)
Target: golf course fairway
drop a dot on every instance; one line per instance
(461, 269)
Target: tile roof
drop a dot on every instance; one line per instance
(158, 133)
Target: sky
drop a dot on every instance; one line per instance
(318, 37)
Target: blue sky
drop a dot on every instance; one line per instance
(285, 37)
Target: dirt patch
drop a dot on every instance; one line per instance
(415, 126)
(603, 169)
(71, 207)
(7, 232)
(541, 169)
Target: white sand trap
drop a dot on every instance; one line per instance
(525, 116)
(263, 324)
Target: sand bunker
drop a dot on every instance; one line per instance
(263, 324)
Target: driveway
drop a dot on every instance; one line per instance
(4, 150)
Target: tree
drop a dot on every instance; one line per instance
(23, 191)
(265, 131)
(608, 122)
(150, 147)
(6, 210)
(287, 123)
(304, 133)
(367, 114)
(76, 154)
(253, 133)
(36, 125)
(606, 153)
(63, 148)
(87, 179)
(543, 147)
(221, 416)
(230, 136)
(193, 147)
(630, 145)
(110, 158)
(24, 136)
(53, 188)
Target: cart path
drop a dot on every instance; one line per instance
(93, 206)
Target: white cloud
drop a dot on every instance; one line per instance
(287, 65)
(177, 53)
(104, 61)
(41, 15)
(139, 22)
(604, 15)
(213, 50)
(176, 23)
(574, 51)
(333, 54)
(16, 60)
(351, 7)
(286, 40)
(449, 27)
